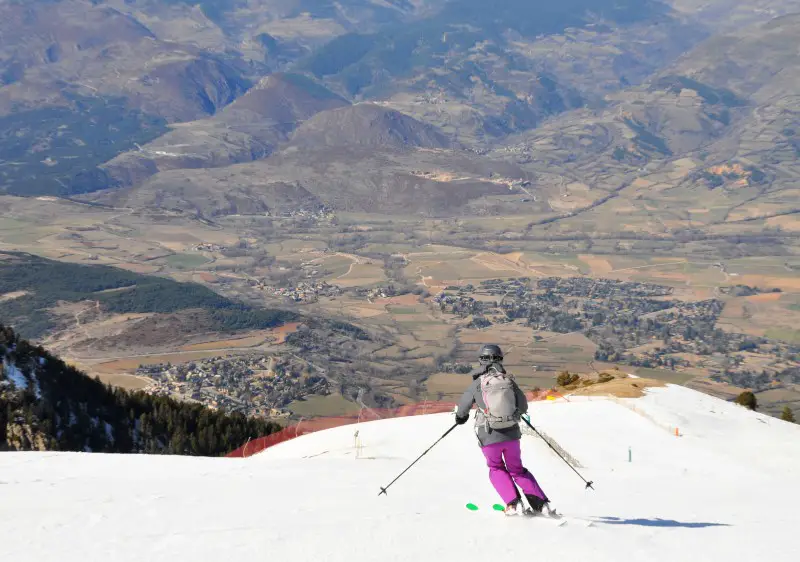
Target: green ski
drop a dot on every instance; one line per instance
(496, 507)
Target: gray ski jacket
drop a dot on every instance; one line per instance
(473, 396)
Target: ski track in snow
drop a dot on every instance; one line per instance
(724, 490)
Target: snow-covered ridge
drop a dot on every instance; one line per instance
(723, 490)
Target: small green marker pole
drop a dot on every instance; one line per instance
(629, 454)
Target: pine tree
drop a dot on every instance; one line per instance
(788, 415)
(177, 445)
(5, 417)
(747, 399)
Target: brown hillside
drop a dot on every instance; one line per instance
(367, 125)
(285, 99)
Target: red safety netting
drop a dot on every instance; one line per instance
(311, 425)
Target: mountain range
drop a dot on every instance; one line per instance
(110, 95)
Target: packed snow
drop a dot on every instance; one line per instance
(725, 489)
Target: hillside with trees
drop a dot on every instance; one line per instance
(46, 282)
(47, 405)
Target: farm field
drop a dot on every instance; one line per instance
(129, 364)
(186, 261)
(123, 380)
(409, 253)
(331, 405)
(249, 341)
(773, 315)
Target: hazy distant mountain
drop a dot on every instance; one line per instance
(249, 128)
(136, 94)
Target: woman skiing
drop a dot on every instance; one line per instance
(500, 403)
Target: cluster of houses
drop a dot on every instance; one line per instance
(305, 292)
(378, 293)
(320, 213)
(459, 303)
(601, 288)
(208, 247)
(253, 384)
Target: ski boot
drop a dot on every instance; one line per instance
(515, 507)
(540, 507)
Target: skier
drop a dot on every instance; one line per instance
(500, 403)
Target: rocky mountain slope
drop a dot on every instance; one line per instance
(428, 106)
(709, 130)
(130, 68)
(250, 128)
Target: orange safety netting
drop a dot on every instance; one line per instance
(366, 414)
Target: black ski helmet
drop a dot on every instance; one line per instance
(490, 353)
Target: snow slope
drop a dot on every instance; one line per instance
(16, 376)
(726, 490)
(18, 379)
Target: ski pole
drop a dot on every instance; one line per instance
(383, 489)
(588, 484)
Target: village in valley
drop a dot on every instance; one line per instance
(636, 324)
(253, 384)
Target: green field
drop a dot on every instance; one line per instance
(185, 261)
(402, 310)
(11, 224)
(565, 349)
(331, 405)
(21, 236)
(784, 334)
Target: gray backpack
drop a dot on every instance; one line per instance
(497, 390)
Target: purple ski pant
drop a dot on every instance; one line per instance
(503, 475)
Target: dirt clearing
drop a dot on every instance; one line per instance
(129, 364)
(251, 340)
(12, 296)
(621, 388)
(120, 380)
(764, 297)
(598, 266)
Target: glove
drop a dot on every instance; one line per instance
(462, 421)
